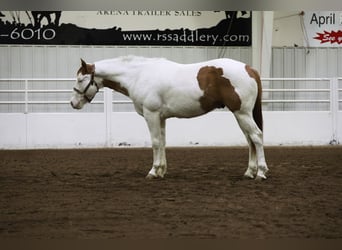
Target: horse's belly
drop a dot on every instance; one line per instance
(184, 108)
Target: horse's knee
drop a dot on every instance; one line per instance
(155, 143)
(257, 138)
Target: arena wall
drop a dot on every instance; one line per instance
(129, 129)
(297, 112)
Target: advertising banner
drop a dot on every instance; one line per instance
(323, 28)
(160, 28)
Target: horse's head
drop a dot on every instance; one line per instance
(86, 88)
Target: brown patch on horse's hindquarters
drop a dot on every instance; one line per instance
(218, 91)
(257, 110)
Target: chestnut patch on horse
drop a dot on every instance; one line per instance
(257, 112)
(116, 86)
(86, 68)
(253, 73)
(218, 91)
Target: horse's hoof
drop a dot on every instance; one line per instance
(248, 176)
(260, 177)
(150, 177)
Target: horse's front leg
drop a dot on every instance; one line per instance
(156, 125)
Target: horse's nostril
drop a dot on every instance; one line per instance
(73, 105)
(76, 104)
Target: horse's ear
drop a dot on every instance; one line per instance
(83, 63)
(92, 68)
(88, 68)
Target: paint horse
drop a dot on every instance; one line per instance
(161, 89)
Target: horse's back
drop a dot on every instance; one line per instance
(169, 75)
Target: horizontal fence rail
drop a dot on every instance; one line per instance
(276, 91)
(297, 90)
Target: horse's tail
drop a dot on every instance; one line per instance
(257, 110)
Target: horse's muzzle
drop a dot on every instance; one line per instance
(75, 105)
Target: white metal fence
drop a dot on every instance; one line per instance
(39, 103)
(318, 94)
(52, 95)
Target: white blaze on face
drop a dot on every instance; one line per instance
(78, 100)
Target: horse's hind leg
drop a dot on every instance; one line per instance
(255, 139)
(252, 161)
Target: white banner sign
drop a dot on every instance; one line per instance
(113, 27)
(323, 28)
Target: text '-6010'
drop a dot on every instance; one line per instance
(28, 34)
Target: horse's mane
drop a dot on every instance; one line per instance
(127, 61)
(138, 59)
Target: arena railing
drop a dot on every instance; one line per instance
(333, 90)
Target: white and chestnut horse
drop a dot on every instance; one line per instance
(161, 89)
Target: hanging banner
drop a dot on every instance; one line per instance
(162, 28)
(323, 28)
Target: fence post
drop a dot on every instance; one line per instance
(334, 109)
(26, 97)
(108, 109)
(26, 112)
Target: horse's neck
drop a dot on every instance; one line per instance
(122, 70)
